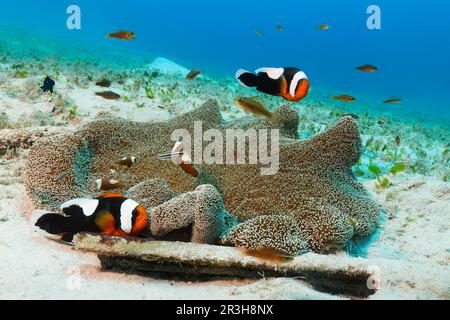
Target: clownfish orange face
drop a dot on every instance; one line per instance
(289, 83)
(297, 89)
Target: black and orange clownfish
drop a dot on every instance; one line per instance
(289, 83)
(111, 214)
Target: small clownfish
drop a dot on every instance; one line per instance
(106, 185)
(289, 83)
(179, 157)
(127, 161)
(110, 214)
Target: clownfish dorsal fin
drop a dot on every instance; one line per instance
(88, 206)
(111, 195)
(273, 73)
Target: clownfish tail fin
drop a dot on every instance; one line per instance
(58, 224)
(246, 78)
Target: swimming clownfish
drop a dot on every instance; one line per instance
(289, 83)
(111, 214)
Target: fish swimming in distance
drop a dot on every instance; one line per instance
(279, 28)
(393, 100)
(252, 106)
(109, 95)
(367, 68)
(193, 74)
(122, 35)
(289, 83)
(111, 214)
(344, 98)
(49, 83)
(323, 27)
(103, 83)
(259, 33)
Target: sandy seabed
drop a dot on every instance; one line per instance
(413, 252)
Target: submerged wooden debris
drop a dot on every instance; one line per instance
(331, 274)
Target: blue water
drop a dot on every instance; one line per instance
(412, 49)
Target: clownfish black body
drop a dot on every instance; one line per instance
(111, 213)
(289, 83)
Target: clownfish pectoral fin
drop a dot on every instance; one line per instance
(105, 222)
(246, 78)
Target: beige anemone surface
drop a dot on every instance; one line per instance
(313, 198)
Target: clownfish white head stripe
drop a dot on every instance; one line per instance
(273, 73)
(126, 214)
(294, 83)
(87, 205)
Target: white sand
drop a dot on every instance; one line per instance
(413, 252)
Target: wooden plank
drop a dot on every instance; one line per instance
(326, 273)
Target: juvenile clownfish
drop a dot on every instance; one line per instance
(289, 83)
(106, 185)
(179, 157)
(127, 161)
(111, 214)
